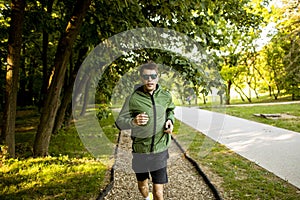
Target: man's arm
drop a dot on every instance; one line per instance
(170, 117)
(170, 111)
(124, 120)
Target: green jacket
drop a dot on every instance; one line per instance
(160, 108)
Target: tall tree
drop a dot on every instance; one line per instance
(46, 19)
(44, 56)
(290, 31)
(67, 94)
(12, 73)
(52, 99)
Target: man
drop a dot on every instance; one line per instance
(149, 113)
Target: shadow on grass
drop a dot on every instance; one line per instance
(76, 176)
(71, 172)
(52, 178)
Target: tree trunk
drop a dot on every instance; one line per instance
(196, 89)
(31, 83)
(62, 109)
(77, 95)
(221, 99)
(12, 73)
(52, 98)
(86, 97)
(22, 96)
(26, 81)
(229, 83)
(241, 93)
(46, 74)
(67, 96)
(270, 91)
(204, 98)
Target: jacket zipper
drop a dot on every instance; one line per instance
(154, 123)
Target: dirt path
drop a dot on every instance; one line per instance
(184, 181)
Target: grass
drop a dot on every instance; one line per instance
(290, 109)
(234, 176)
(238, 109)
(247, 112)
(69, 172)
(52, 178)
(263, 99)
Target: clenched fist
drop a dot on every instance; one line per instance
(141, 119)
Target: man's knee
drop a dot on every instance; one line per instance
(143, 185)
(158, 191)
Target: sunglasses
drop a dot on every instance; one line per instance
(147, 76)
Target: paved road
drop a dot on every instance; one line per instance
(275, 149)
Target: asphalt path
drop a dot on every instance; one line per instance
(275, 149)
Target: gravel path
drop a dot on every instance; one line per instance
(184, 181)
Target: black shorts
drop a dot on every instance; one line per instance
(159, 176)
(154, 164)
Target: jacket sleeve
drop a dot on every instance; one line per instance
(170, 111)
(124, 120)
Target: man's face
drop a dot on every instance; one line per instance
(149, 79)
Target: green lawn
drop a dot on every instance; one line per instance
(58, 177)
(235, 176)
(70, 172)
(247, 112)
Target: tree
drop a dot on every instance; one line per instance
(235, 41)
(249, 77)
(67, 94)
(45, 23)
(278, 63)
(12, 73)
(52, 98)
(289, 30)
(45, 44)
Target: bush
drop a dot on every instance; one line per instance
(104, 111)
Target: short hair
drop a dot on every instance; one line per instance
(150, 65)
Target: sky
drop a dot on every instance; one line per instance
(270, 30)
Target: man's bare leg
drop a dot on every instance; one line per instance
(158, 191)
(144, 188)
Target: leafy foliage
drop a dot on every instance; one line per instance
(197, 19)
(225, 30)
(103, 112)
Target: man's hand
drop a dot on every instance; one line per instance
(169, 127)
(140, 119)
